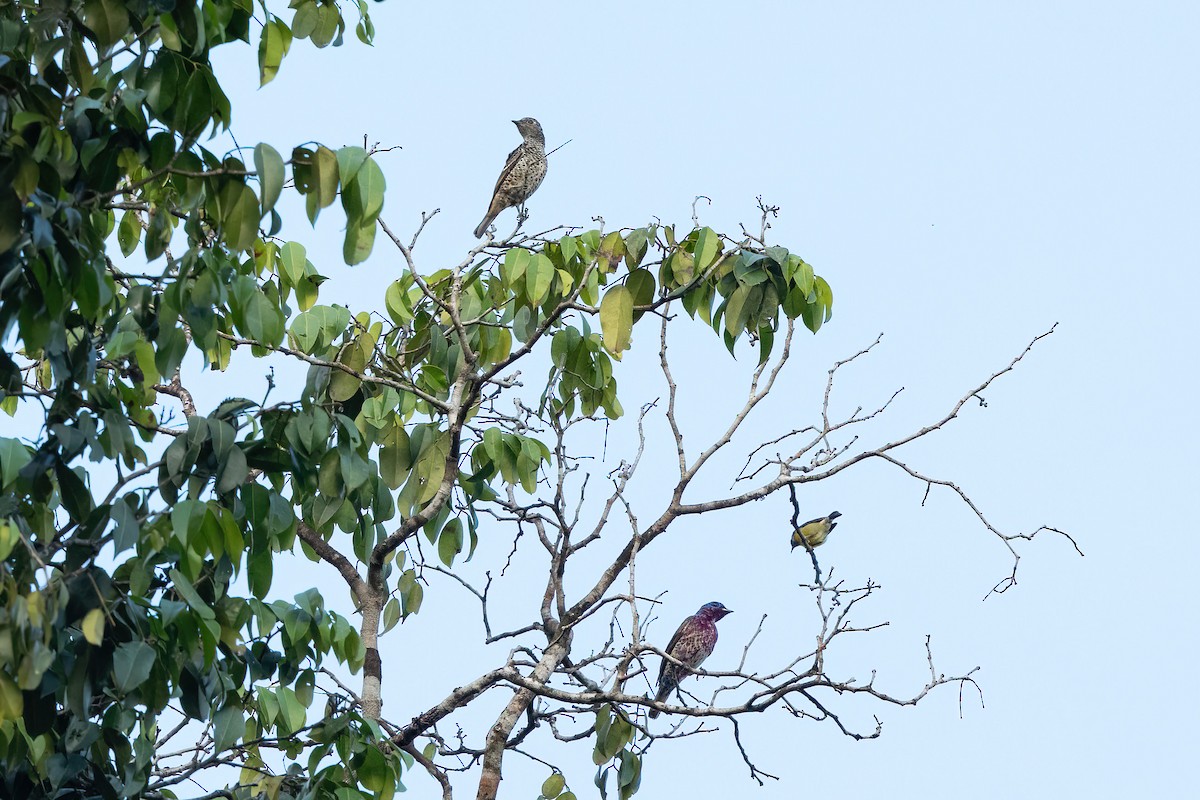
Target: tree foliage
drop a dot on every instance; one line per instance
(138, 589)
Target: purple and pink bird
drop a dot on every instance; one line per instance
(691, 644)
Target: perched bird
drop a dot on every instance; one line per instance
(522, 173)
(691, 644)
(815, 531)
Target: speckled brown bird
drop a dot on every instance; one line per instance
(522, 173)
(691, 644)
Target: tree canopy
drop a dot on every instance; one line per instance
(146, 643)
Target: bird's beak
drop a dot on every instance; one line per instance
(516, 122)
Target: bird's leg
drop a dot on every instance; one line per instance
(522, 215)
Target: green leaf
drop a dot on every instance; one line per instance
(324, 180)
(630, 776)
(291, 710)
(123, 515)
(391, 614)
(188, 592)
(620, 733)
(259, 568)
(305, 20)
(450, 542)
(563, 344)
(129, 233)
(93, 626)
(616, 319)
(766, 339)
(264, 321)
(395, 462)
(373, 772)
(293, 261)
(824, 296)
(75, 496)
(306, 330)
(233, 471)
(269, 165)
(570, 247)
(396, 302)
(349, 160)
(132, 663)
(365, 30)
(241, 216)
(552, 787)
(12, 702)
(539, 276)
(354, 469)
(229, 725)
(612, 248)
(329, 25)
(25, 182)
(342, 384)
(512, 269)
(800, 273)
(412, 594)
(708, 244)
(108, 19)
(635, 247)
(736, 310)
(363, 187)
(604, 718)
(13, 456)
(275, 42)
(360, 240)
(641, 286)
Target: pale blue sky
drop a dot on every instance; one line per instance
(964, 175)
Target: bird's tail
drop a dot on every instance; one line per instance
(494, 208)
(664, 690)
(482, 227)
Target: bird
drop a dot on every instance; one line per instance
(815, 531)
(692, 643)
(522, 173)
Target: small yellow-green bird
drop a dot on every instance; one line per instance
(815, 531)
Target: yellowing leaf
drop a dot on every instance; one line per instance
(93, 626)
(276, 40)
(616, 319)
(12, 702)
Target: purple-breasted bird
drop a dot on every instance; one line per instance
(692, 643)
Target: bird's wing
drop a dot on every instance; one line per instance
(508, 167)
(811, 521)
(683, 626)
